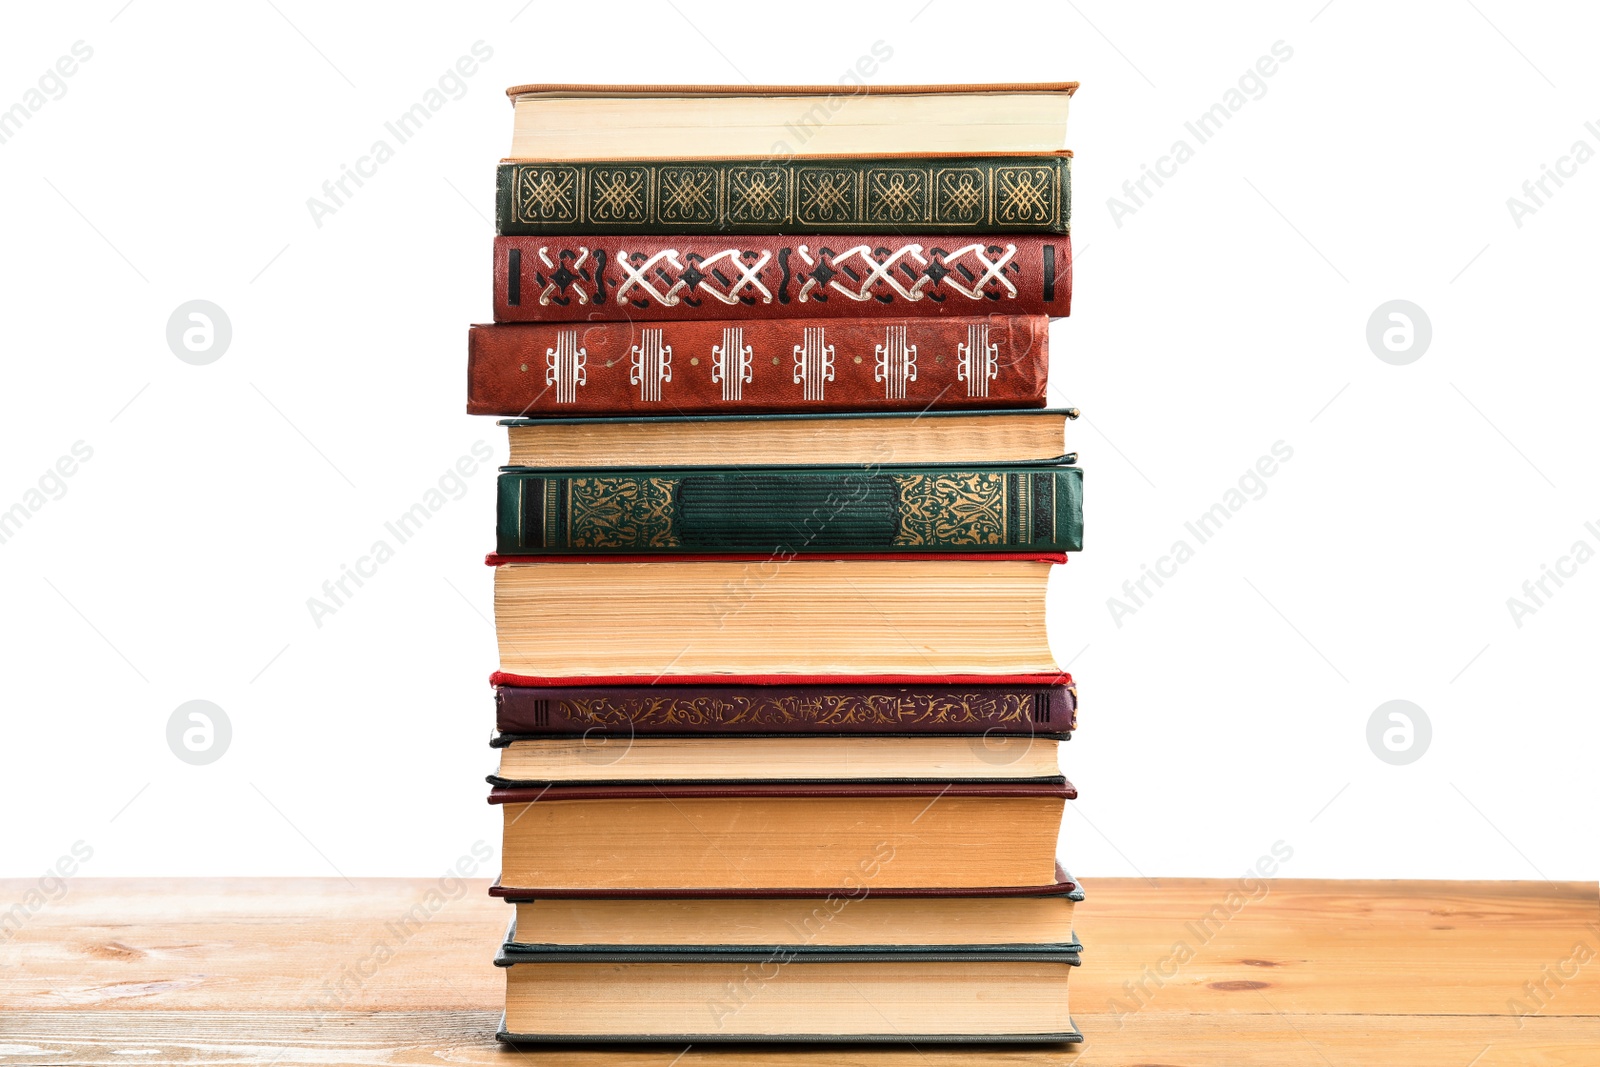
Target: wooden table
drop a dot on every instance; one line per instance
(324, 971)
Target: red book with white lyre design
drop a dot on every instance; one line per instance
(755, 367)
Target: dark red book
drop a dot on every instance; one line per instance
(997, 707)
(744, 366)
(672, 279)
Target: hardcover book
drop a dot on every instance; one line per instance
(938, 195)
(722, 993)
(764, 122)
(610, 758)
(997, 708)
(920, 618)
(933, 438)
(575, 278)
(754, 366)
(514, 951)
(865, 918)
(782, 835)
(1061, 885)
(789, 510)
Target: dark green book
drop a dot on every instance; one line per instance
(950, 194)
(790, 510)
(708, 994)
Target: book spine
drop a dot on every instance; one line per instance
(573, 278)
(668, 791)
(679, 710)
(784, 512)
(755, 367)
(943, 195)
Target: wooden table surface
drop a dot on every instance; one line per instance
(324, 971)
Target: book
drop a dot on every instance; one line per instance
(820, 836)
(734, 366)
(934, 438)
(927, 195)
(608, 758)
(941, 707)
(723, 993)
(863, 918)
(788, 511)
(565, 122)
(778, 723)
(920, 617)
(638, 277)
(514, 894)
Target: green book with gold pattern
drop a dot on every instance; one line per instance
(905, 195)
(783, 511)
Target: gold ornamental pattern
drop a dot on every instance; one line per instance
(950, 510)
(546, 194)
(996, 195)
(954, 709)
(1024, 194)
(620, 513)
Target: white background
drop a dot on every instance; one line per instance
(1225, 314)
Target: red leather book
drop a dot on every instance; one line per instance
(740, 366)
(842, 276)
(991, 708)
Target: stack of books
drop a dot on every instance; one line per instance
(777, 719)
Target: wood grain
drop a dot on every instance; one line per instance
(411, 1039)
(279, 971)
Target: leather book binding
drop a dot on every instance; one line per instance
(728, 365)
(652, 280)
(929, 195)
(789, 510)
(678, 710)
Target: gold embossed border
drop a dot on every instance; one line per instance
(956, 709)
